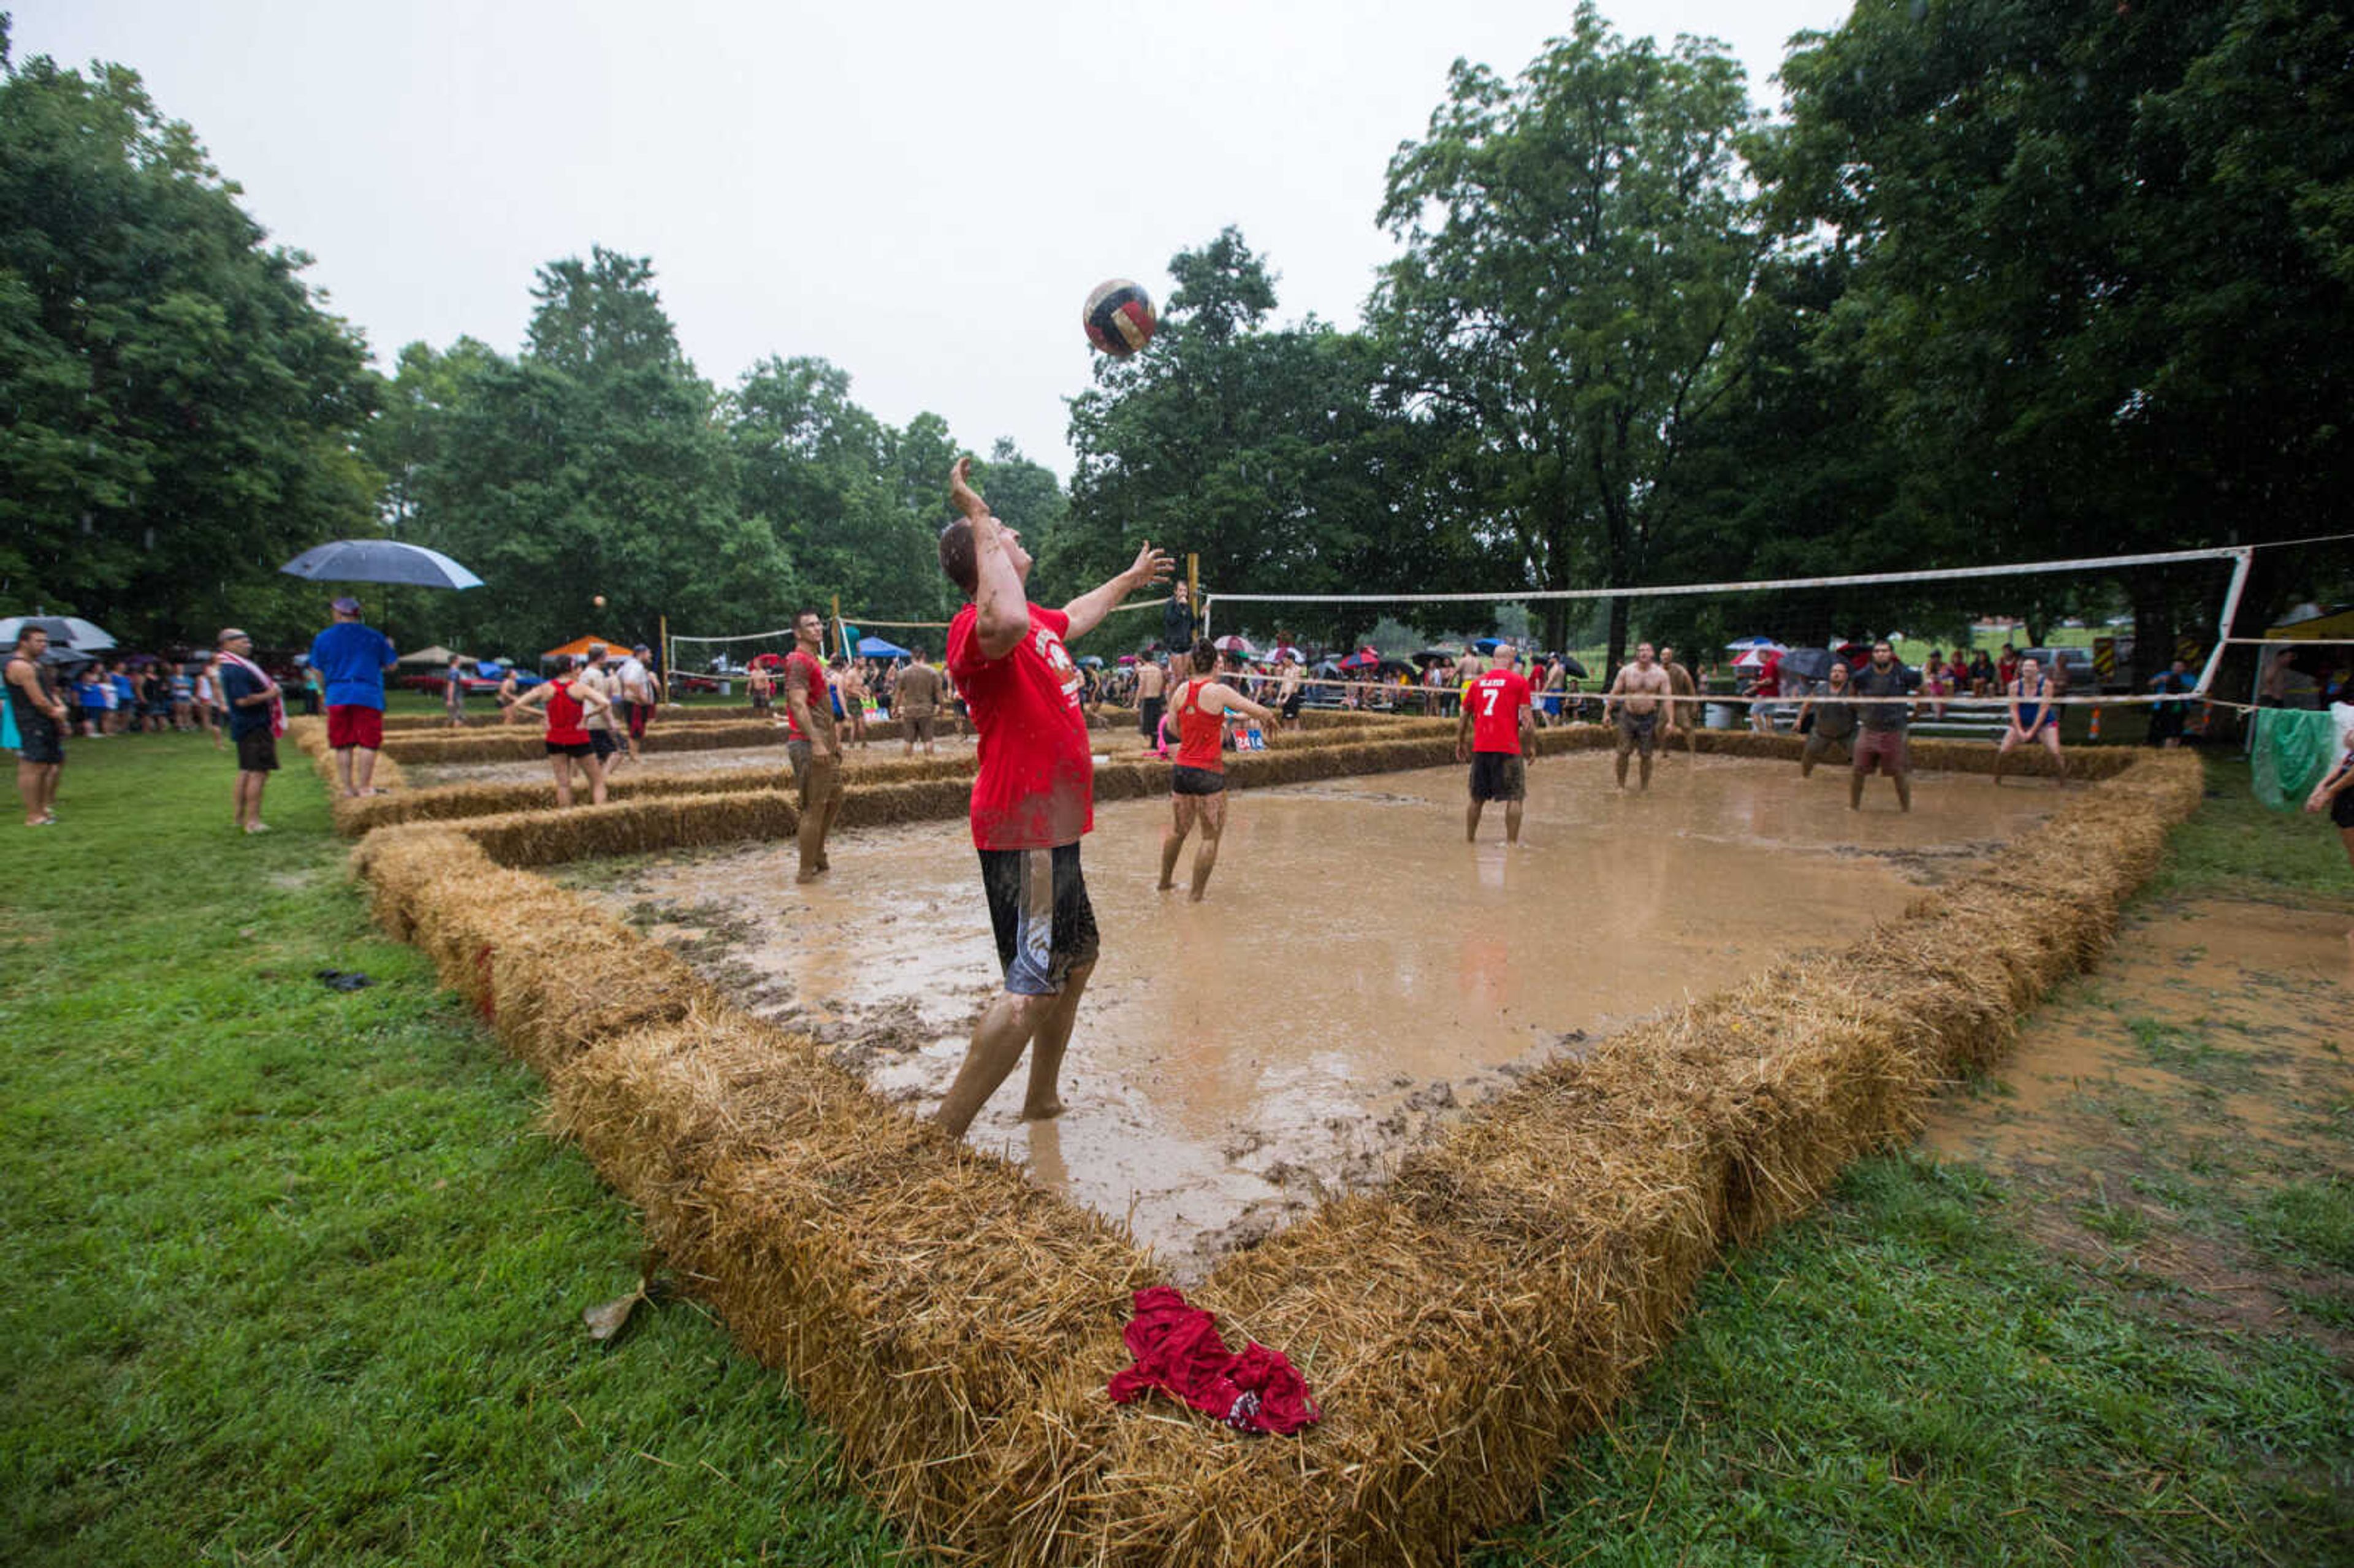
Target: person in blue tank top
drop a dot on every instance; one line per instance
(2033, 717)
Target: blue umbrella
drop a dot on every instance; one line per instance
(876, 648)
(379, 561)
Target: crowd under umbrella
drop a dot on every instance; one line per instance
(1231, 644)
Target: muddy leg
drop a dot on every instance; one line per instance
(997, 1041)
(1044, 1099)
(1214, 828)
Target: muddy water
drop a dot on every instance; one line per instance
(1357, 972)
(751, 758)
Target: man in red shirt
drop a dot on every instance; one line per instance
(1497, 712)
(1033, 799)
(811, 741)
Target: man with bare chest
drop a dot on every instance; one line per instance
(1636, 699)
(1151, 684)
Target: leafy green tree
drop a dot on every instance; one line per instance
(180, 413)
(597, 463)
(1265, 453)
(1578, 246)
(2101, 277)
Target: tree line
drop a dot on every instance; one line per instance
(2008, 281)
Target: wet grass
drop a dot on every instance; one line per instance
(293, 1276)
(296, 1279)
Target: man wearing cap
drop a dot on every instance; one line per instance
(353, 658)
(637, 684)
(257, 714)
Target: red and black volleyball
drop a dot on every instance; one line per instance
(1119, 318)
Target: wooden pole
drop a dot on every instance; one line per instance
(662, 670)
(1193, 595)
(840, 635)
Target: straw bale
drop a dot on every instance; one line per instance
(1497, 1297)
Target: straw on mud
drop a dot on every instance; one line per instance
(955, 1325)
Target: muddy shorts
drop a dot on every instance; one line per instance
(820, 777)
(1184, 780)
(636, 715)
(917, 720)
(1038, 908)
(1819, 745)
(1147, 718)
(2341, 808)
(257, 751)
(1498, 776)
(1291, 704)
(1881, 748)
(602, 743)
(1637, 732)
(760, 700)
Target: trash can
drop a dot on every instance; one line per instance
(1717, 716)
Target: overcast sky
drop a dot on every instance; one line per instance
(921, 193)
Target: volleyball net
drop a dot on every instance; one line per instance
(1967, 629)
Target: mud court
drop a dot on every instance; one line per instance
(1358, 972)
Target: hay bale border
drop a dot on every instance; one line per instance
(1461, 1326)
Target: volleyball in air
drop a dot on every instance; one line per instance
(1119, 318)
(600, 601)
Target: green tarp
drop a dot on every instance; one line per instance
(2291, 749)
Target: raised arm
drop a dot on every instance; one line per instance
(1232, 701)
(1087, 610)
(1004, 609)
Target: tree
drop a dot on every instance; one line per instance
(1578, 244)
(1264, 451)
(595, 463)
(2100, 262)
(180, 412)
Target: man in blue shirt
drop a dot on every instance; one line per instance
(352, 659)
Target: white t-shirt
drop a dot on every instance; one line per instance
(635, 687)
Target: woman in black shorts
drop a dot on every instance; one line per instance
(1197, 784)
(569, 700)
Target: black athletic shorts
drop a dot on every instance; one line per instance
(1498, 776)
(257, 751)
(571, 748)
(1038, 907)
(1291, 704)
(40, 740)
(2341, 808)
(1148, 717)
(601, 741)
(1184, 780)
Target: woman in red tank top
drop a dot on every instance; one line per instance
(568, 701)
(1197, 783)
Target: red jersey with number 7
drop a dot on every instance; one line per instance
(1497, 699)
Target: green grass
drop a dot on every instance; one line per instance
(1901, 1379)
(295, 1279)
(293, 1276)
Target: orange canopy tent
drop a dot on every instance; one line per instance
(579, 646)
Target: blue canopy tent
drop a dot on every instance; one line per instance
(875, 648)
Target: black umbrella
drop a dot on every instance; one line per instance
(1808, 663)
(64, 632)
(379, 561)
(1573, 666)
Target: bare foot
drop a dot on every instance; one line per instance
(809, 876)
(1047, 1112)
(1164, 888)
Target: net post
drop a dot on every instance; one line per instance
(663, 669)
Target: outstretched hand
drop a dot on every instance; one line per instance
(961, 492)
(1152, 566)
